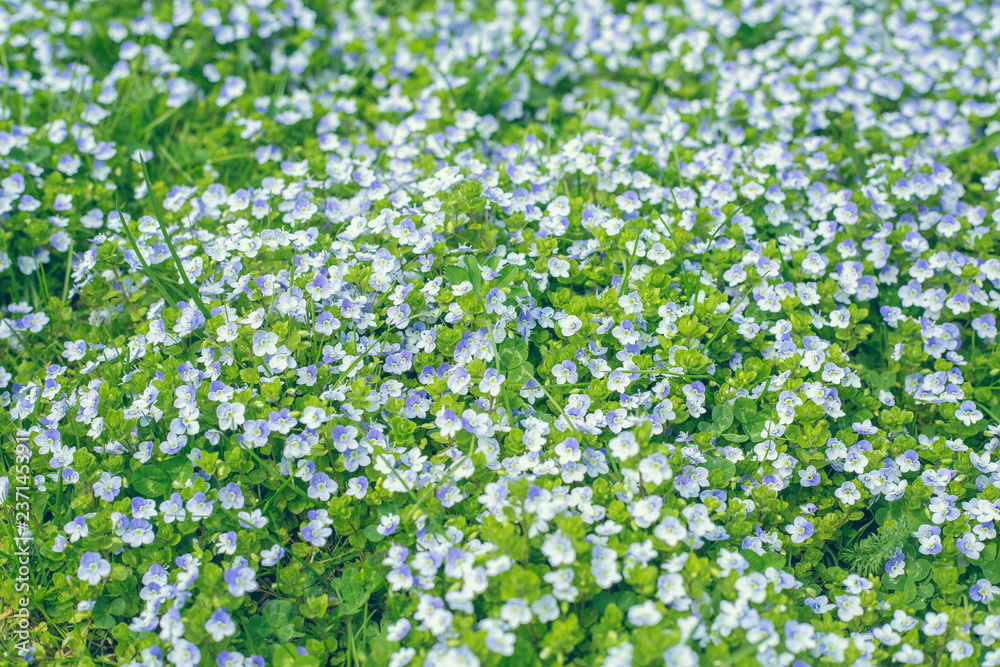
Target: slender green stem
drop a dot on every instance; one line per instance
(732, 311)
(146, 268)
(192, 291)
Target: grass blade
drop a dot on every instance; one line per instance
(192, 292)
(145, 267)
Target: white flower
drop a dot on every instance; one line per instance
(558, 268)
(644, 614)
(570, 324)
(230, 415)
(93, 568)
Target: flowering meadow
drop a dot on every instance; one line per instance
(535, 332)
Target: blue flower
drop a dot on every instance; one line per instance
(93, 568)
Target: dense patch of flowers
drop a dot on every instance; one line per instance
(580, 332)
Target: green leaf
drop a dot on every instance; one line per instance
(177, 468)
(991, 571)
(721, 471)
(945, 576)
(279, 612)
(353, 592)
(909, 589)
(520, 375)
(455, 274)
(150, 481)
(745, 410)
(118, 607)
(104, 621)
(513, 352)
(475, 275)
(920, 570)
(257, 629)
(371, 532)
(506, 276)
(722, 417)
(315, 606)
